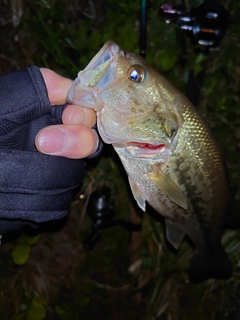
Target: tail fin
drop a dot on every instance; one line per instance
(205, 265)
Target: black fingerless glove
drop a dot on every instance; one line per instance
(34, 187)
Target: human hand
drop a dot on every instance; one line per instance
(74, 138)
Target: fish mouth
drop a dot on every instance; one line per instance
(106, 53)
(144, 150)
(147, 146)
(100, 72)
(101, 69)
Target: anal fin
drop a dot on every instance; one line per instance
(137, 194)
(174, 234)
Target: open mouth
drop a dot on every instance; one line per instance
(146, 146)
(101, 69)
(96, 76)
(144, 150)
(104, 56)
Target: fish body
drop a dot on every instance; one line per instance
(166, 148)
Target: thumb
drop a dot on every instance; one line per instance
(70, 141)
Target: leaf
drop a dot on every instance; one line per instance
(83, 302)
(166, 60)
(18, 316)
(20, 254)
(28, 240)
(37, 310)
(198, 63)
(32, 240)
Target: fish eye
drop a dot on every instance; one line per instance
(136, 73)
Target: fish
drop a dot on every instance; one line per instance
(169, 153)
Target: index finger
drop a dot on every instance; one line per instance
(57, 86)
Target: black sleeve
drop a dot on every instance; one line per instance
(34, 187)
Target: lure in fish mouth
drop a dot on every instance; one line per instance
(166, 148)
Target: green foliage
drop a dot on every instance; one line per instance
(35, 310)
(20, 254)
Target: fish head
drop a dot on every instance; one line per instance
(134, 105)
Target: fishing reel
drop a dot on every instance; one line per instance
(205, 24)
(101, 211)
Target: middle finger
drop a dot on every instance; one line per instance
(74, 114)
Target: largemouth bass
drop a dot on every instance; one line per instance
(166, 148)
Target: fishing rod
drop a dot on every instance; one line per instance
(143, 29)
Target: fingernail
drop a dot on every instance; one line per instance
(78, 116)
(96, 138)
(52, 140)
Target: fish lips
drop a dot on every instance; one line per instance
(148, 151)
(96, 76)
(104, 56)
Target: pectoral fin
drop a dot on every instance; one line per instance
(174, 234)
(168, 187)
(137, 194)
